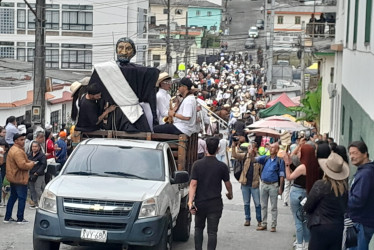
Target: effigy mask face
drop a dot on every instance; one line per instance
(125, 52)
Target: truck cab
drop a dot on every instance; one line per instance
(124, 192)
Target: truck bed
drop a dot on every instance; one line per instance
(184, 148)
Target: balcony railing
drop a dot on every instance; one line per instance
(320, 29)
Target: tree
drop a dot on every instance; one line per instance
(310, 107)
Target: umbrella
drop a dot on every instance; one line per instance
(278, 123)
(266, 132)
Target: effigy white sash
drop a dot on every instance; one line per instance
(119, 89)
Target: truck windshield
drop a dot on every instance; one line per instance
(112, 161)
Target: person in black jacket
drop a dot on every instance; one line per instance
(36, 180)
(327, 203)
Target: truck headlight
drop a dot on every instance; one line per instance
(148, 208)
(48, 201)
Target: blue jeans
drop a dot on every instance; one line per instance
(364, 236)
(247, 191)
(302, 232)
(19, 192)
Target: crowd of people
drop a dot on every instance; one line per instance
(24, 157)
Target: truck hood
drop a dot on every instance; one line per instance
(104, 188)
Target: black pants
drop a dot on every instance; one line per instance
(326, 237)
(167, 129)
(212, 216)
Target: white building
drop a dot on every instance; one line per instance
(79, 33)
(352, 116)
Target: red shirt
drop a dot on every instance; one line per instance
(50, 149)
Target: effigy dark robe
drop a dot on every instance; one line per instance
(142, 81)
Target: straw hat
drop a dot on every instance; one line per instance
(226, 105)
(236, 87)
(224, 86)
(212, 119)
(242, 103)
(235, 109)
(237, 114)
(74, 87)
(335, 167)
(163, 76)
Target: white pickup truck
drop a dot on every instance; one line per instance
(122, 192)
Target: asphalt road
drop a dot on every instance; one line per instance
(244, 14)
(231, 234)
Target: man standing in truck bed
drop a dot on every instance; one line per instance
(205, 193)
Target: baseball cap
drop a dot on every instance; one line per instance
(62, 134)
(16, 136)
(186, 82)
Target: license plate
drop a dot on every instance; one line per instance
(94, 235)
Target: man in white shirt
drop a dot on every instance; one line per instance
(184, 115)
(163, 97)
(252, 91)
(221, 154)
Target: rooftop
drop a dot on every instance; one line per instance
(183, 3)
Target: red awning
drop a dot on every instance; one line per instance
(284, 99)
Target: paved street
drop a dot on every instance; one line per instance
(244, 14)
(232, 234)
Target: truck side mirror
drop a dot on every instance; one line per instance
(180, 177)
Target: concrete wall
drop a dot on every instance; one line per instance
(326, 103)
(203, 19)
(289, 21)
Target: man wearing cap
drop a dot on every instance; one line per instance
(184, 115)
(17, 173)
(61, 150)
(163, 97)
(361, 194)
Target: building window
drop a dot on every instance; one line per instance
(6, 21)
(76, 59)
(369, 6)
(280, 19)
(77, 7)
(21, 19)
(332, 75)
(152, 20)
(178, 11)
(297, 20)
(343, 119)
(156, 60)
(7, 52)
(142, 24)
(209, 13)
(30, 54)
(51, 58)
(53, 19)
(77, 20)
(55, 119)
(21, 54)
(198, 13)
(356, 22)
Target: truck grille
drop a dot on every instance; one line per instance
(94, 225)
(97, 207)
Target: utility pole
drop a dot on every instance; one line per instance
(302, 62)
(39, 61)
(270, 52)
(168, 58)
(186, 45)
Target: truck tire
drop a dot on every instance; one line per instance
(181, 231)
(166, 240)
(45, 245)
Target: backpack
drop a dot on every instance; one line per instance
(238, 168)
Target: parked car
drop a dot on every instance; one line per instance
(250, 43)
(260, 24)
(253, 32)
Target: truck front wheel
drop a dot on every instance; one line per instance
(45, 245)
(181, 231)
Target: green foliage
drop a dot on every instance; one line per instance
(311, 105)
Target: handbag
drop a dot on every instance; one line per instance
(33, 178)
(238, 168)
(349, 234)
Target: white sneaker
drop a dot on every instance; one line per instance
(299, 247)
(305, 245)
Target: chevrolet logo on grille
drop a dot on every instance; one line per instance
(96, 207)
